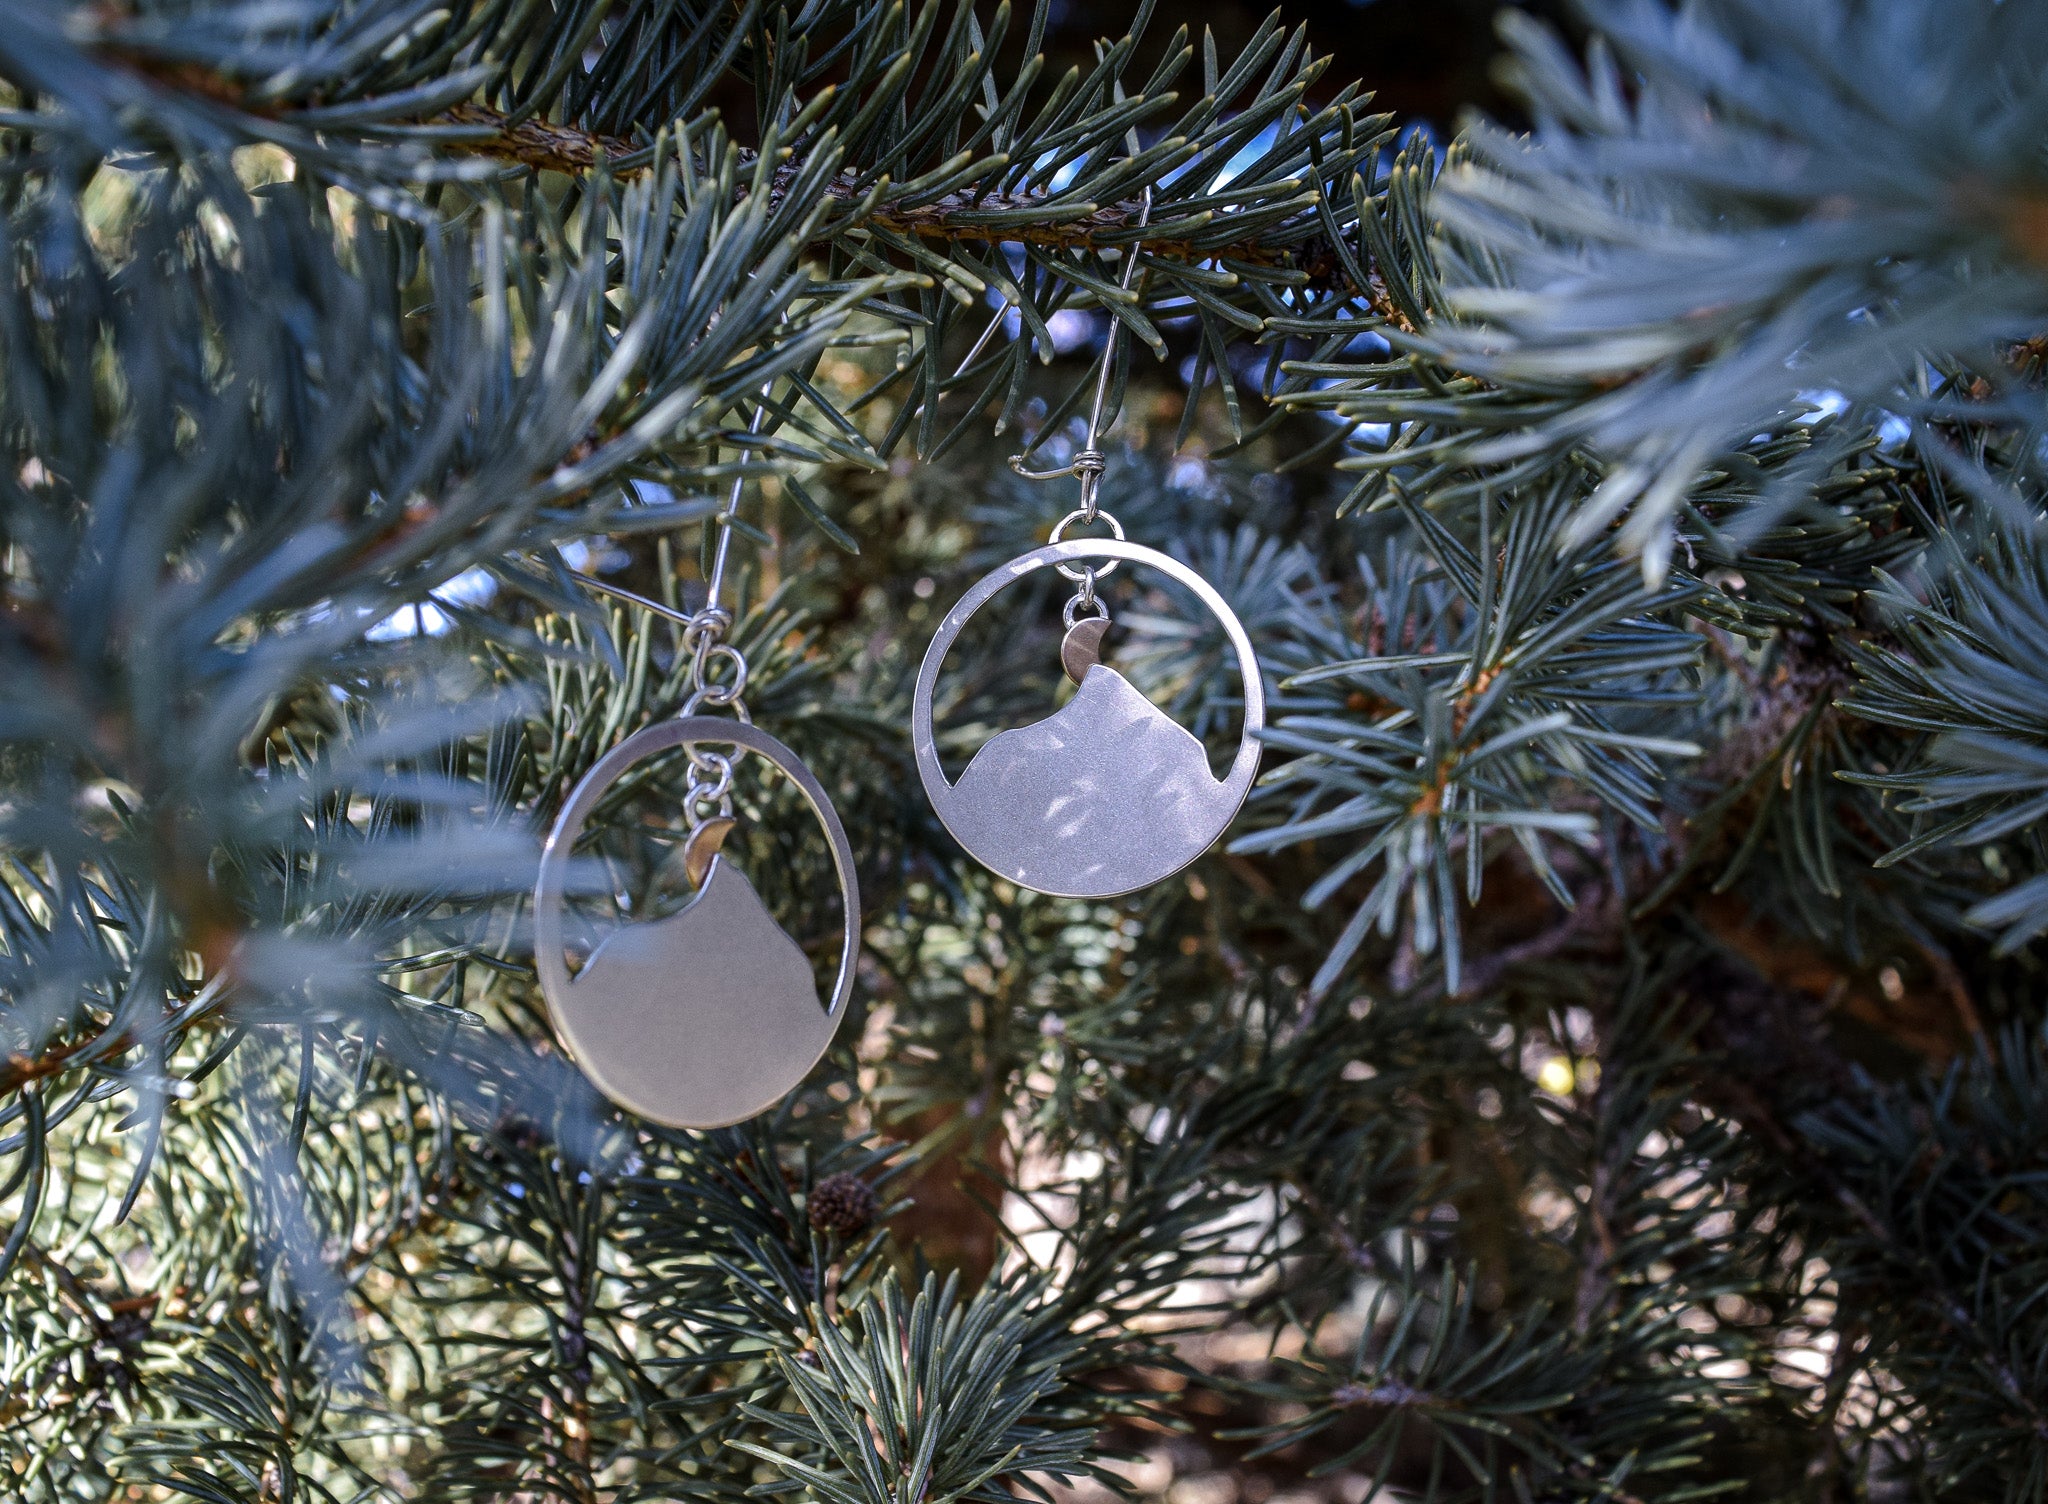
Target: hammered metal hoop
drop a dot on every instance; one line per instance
(549, 891)
(1243, 768)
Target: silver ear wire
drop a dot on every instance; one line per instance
(1088, 463)
(704, 629)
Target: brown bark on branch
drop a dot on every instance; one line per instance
(544, 146)
(553, 148)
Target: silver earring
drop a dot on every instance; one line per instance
(712, 1014)
(1107, 795)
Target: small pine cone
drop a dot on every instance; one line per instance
(843, 1205)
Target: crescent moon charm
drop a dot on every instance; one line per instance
(1107, 795)
(711, 1015)
(1081, 649)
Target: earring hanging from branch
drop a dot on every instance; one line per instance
(1107, 795)
(710, 1015)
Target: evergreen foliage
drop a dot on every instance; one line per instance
(1607, 1062)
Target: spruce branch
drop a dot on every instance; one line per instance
(982, 214)
(1605, 1009)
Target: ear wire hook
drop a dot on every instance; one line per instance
(1088, 463)
(704, 629)
(632, 598)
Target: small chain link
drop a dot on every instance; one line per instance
(1085, 599)
(710, 688)
(1085, 575)
(710, 787)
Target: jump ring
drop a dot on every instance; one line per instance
(700, 793)
(719, 691)
(1059, 531)
(1074, 607)
(720, 696)
(720, 805)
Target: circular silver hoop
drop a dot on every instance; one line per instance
(549, 889)
(1059, 532)
(1236, 785)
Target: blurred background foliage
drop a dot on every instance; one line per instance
(1605, 1063)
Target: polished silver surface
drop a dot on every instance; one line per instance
(711, 1015)
(1107, 795)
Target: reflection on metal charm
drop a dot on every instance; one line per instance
(703, 846)
(1107, 795)
(711, 1015)
(1081, 648)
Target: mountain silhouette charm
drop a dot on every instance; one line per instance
(714, 1006)
(1105, 796)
